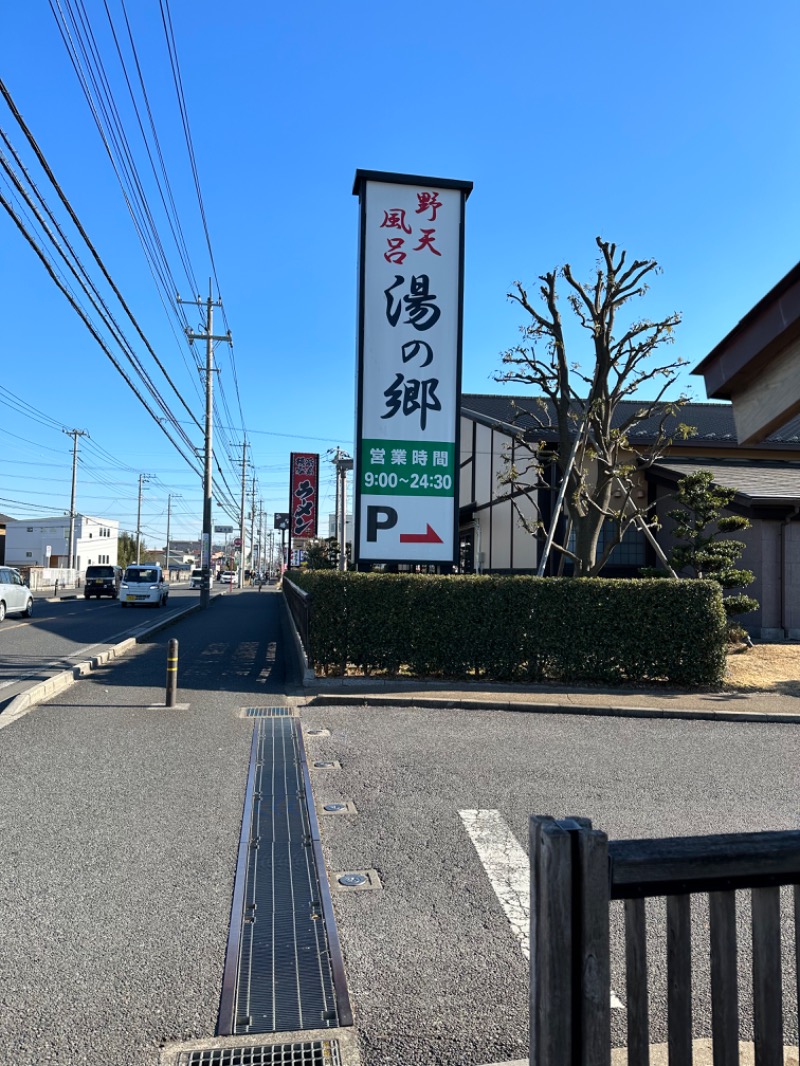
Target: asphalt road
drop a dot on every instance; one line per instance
(61, 634)
(436, 972)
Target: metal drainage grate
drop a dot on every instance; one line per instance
(307, 1053)
(283, 970)
(267, 712)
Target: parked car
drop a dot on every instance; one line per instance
(102, 580)
(196, 580)
(144, 583)
(228, 577)
(15, 596)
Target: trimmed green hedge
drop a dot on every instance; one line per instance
(592, 630)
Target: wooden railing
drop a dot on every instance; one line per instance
(576, 873)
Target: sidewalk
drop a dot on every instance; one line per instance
(119, 826)
(736, 706)
(644, 703)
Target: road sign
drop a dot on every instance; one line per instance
(223, 529)
(281, 520)
(409, 367)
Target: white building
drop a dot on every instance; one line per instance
(332, 531)
(45, 541)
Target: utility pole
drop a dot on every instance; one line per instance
(253, 529)
(343, 463)
(240, 574)
(142, 479)
(177, 496)
(209, 338)
(74, 433)
(261, 545)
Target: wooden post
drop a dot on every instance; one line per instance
(679, 978)
(724, 978)
(591, 945)
(551, 944)
(570, 1016)
(767, 990)
(636, 983)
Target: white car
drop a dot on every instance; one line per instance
(15, 596)
(144, 584)
(196, 580)
(228, 577)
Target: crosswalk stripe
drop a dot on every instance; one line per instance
(506, 864)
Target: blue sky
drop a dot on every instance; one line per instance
(668, 128)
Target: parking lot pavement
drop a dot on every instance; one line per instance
(440, 801)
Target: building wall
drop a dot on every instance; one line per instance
(772, 546)
(96, 541)
(27, 540)
(791, 580)
(501, 542)
(763, 555)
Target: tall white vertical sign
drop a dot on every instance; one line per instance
(409, 367)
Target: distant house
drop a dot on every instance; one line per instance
(45, 541)
(4, 520)
(766, 476)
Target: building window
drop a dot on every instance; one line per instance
(28, 555)
(631, 552)
(29, 529)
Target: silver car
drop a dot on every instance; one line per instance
(15, 596)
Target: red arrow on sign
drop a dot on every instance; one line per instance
(430, 536)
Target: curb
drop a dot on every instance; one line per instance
(26, 701)
(607, 711)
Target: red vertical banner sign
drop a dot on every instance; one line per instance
(304, 499)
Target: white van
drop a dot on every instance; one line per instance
(144, 584)
(196, 580)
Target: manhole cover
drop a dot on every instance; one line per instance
(352, 880)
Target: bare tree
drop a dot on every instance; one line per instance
(595, 451)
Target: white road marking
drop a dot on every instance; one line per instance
(507, 866)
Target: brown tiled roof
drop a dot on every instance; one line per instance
(757, 481)
(713, 422)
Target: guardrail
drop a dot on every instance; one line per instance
(576, 873)
(300, 604)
